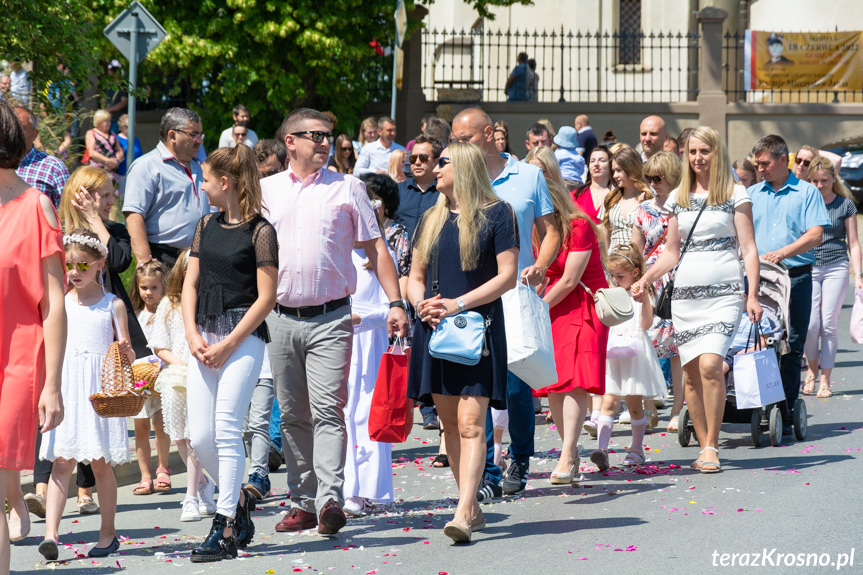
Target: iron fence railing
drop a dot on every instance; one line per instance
(571, 66)
(733, 72)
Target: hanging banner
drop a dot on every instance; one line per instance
(803, 60)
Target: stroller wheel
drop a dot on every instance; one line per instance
(755, 428)
(775, 426)
(800, 424)
(684, 427)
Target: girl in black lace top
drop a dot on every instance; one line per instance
(230, 288)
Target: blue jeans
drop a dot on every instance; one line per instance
(799, 310)
(276, 426)
(522, 425)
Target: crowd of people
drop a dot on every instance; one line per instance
(271, 274)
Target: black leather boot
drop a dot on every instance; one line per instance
(216, 546)
(245, 528)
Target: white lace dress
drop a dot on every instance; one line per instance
(168, 332)
(83, 435)
(640, 373)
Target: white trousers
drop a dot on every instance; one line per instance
(218, 402)
(829, 286)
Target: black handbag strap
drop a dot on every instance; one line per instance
(689, 237)
(435, 285)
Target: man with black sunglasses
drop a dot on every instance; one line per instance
(419, 193)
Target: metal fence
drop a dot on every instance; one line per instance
(733, 71)
(570, 66)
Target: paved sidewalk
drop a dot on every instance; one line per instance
(798, 498)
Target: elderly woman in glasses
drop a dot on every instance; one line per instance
(649, 234)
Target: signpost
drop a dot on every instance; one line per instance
(401, 17)
(135, 33)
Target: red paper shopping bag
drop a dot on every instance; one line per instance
(389, 416)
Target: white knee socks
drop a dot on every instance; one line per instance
(603, 434)
(638, 427)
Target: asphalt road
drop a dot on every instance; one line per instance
(801, 498)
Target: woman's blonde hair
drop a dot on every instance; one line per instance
(473, 191)
(238, 165)
(88, 177)
(564, 207)
(150, 269)
(369, 122)
(822, 164)
(721, 179)
(629, 161)
(618, 146)
(396, 164)
(666, 165)
(174, 282)
(101, 116)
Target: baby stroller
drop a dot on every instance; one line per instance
(774, 292)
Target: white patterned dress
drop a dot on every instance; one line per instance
(708, 287)
(83, 435)
(168, 332)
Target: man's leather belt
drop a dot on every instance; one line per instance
(799, 271)
(313, 310)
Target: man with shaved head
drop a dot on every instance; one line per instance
(652, 135)
(586, 138)
(523, 187)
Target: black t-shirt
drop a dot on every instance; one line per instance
(229, 256)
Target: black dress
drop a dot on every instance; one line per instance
(229, 256)
(119, 259)
(427, 375)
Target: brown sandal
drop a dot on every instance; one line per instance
(145, 487)
(824, 391)
(162, 485)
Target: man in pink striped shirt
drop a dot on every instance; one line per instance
(319, 215)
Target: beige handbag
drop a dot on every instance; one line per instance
(613, 305)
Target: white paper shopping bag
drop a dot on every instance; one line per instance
(529, 348)
(757, 381)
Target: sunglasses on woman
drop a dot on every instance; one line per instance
(442, 162)
(805, 163)
(653, 180)
(82, 266)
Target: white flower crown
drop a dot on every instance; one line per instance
(86, 241)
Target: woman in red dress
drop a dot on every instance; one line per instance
(579, 337)
(32, 320)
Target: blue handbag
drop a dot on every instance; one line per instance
(460, 338)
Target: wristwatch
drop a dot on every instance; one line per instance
(460, 303)
(398, 303)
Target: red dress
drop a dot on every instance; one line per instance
(27, 238)
(579, 337)
(584, 200)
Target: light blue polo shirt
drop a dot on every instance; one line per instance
(167, 196)
(782, 216)
(523, 187)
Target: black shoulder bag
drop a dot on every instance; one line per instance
(663, 303)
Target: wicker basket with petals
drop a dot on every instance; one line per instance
(149, 372)
(118, 397)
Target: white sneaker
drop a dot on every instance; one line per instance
(207, 505)
(624, 418)
(190, 509)
(590, 427)
(356, 506)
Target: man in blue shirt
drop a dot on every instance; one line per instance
(789, 215)
(418, 193)
(519, 82)
(524, 188)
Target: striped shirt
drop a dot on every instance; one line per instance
(834, 243)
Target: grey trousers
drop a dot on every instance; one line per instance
(310, 359)
(256, 427)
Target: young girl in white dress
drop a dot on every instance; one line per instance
(148, 286)
(168, 341)
(95, 320)
(368, 465)
(632, 369)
